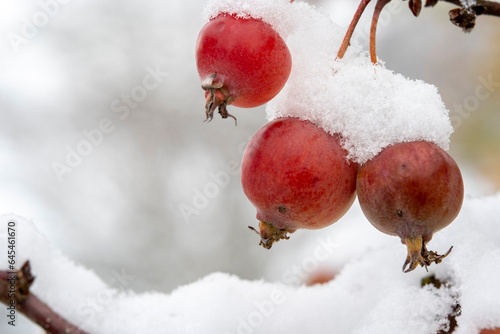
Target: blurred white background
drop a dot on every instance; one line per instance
(120, 207)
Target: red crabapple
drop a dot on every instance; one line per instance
(411, 190)
(320, 276)
(297, 176)
(241, 61)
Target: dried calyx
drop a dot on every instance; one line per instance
(217, 96)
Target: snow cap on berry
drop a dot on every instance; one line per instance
(371, 106)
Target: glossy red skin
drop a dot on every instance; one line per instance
(420, 180)
(297, 165)
(248, 56)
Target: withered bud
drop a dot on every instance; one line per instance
(430, 3)
(464, 18)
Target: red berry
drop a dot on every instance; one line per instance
(411, 190)
(241, 61)
(297, 176)
(320, 276)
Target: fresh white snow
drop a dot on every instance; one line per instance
(369, 294)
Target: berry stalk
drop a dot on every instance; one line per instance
(217, 96)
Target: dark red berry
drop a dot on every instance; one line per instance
(411, 190)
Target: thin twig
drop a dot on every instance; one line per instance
(14, 290)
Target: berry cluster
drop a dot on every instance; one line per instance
(296, 174)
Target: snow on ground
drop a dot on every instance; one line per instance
(369, 294)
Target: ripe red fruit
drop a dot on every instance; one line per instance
(320, 276)
(490, 331)
(297, 176)
(241, 61)
(411, 190)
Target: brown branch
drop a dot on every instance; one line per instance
(352, 26)
(14, 292)
(492, 8)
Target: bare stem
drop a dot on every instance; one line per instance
(352, 26)
(14, 290)
(373, 29)
(492, 7)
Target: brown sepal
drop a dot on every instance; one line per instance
(478, 9)
(463, 18)
(270, 234)
(217, 97)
